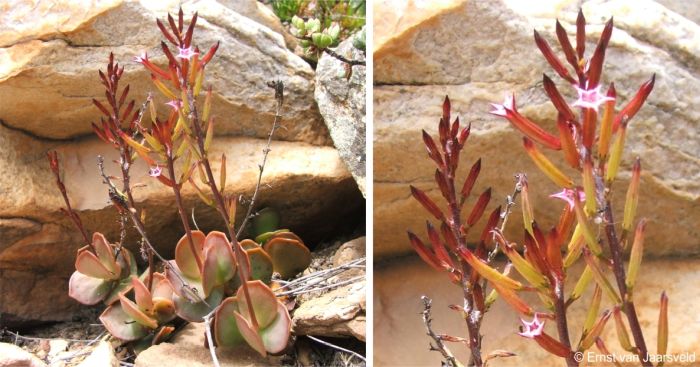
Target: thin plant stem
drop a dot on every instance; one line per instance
(562, 325)
(210, 340)
(619, 272)
(450, 360)
(181, 208)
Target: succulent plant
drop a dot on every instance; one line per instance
(102, 272)
(132, 320)
(267, 332)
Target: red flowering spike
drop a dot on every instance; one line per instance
(176, 31)
(491, 223)
(534, 253)
(443, 133)
(539, 236)
(455, 130)
(168, 54)
(166, 33)
(99, 133)
(559, 103)
(596, 63)
(471, 179)
(190, 30)
(635, 104)
(464, 135)
(125, 92)
(442, 184)
(428, 204)
(438, 247)
(554, 251)
(432, 148)
(207, 57)
(448, 236)
(446, 106)
(424, 252)
(128, 109)
(180, 20)
(580, 34)
(566, 47)
(552, 59)
(479, 207)
(101, 107)
(590, 119)
(568, 146)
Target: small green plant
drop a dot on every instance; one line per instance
(212, 276)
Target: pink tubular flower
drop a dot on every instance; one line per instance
(501, 109)
(175, 104)
(532, 329)
(155, 171)
(186, 53)
(591, 98)
(568, 196)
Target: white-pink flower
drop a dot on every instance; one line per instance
(508, 104)
(186, 53)
(176, 104)
(591, 98)
(532, 329)
(568, 196)
(141, 58)
(155, 171)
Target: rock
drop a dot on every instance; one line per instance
(56, 347)
(341, 311)
(474, 51)
(101, 356)
(349, 251)
(400, 337)
(50, 56)
(338, 313)
(14, 356)
(187, 349)
(308, 184)
(342, 105)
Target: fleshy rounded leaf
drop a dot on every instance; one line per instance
(267, 220)
(252, 337)
(226, 330)
(131, 309)
(163, 309)
(143, 297)
(248, 244)
(104, 252)
(88, 264)
(276, 336)
(264, 303)
(88, 290)
(260, 265)
(121, 325)
(219, 262)
(289, 257)
(184, 256)
(176, 283)
(195, 311)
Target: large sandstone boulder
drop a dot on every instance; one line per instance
(401, 340)
(342, 101)
(50, 54)
(474, 51)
